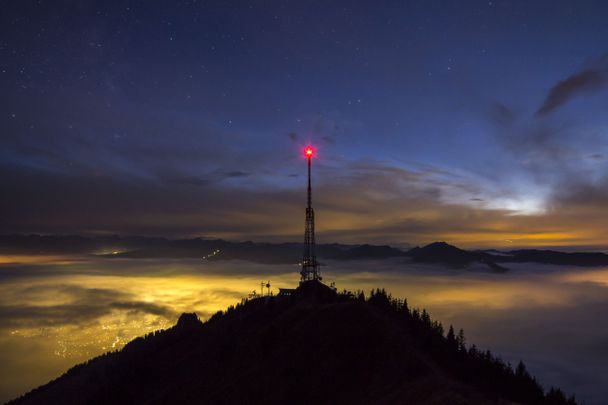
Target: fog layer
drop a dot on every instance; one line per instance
(59, 311)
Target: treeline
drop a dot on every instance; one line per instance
(449, 349)
(466, 363)
(470, 365)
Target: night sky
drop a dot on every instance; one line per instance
(483, 123)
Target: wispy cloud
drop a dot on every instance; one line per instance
(80, 305)
(585, 81)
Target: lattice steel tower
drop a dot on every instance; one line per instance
(310, 266)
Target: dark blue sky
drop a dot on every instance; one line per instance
(482, 123)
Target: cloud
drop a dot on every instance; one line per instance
(143, 307)
(581, 192)
(237, 173)
(331, 140)
(538, 155)
(76, 306)
(195, 182)
(597, 156)
(177, 178)
(171, 176)
(502, 114)
(585, 81)
(364, 201)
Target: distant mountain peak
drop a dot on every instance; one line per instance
(441, 245)
(444, 253)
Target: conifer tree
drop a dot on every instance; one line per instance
(461, 340)
(451, 337)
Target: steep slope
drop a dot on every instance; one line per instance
(313, 347)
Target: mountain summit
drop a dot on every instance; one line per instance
(311, 346)
(444, 253)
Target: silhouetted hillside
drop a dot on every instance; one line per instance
(315, 346)
(441, 252)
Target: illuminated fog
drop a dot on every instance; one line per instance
(59, 311)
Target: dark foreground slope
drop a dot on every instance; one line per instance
(313, 347)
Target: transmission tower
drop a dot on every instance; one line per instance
(310, 266)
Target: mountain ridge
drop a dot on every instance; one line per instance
(284, 253)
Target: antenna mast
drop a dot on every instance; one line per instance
(310, 266)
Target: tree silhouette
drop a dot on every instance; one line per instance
(461, 341)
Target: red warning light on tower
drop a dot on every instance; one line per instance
(309, 152)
